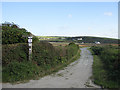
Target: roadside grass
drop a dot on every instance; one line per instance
(100, 75)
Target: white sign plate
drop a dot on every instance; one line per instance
(30, 44)
(29, 40)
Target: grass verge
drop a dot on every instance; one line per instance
(100, 75)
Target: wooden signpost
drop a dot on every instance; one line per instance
(30, 47)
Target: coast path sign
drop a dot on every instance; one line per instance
(29, 44)
(30, 47)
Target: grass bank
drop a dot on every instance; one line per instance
(100, 75)
(104, 72)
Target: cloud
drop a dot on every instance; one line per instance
(69, 15)
(108, 13)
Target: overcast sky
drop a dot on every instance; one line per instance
(64, 18)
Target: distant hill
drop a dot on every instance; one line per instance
(88, 39)
(79, 39)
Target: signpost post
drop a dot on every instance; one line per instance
(30, 47)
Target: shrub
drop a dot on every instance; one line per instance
(109, 57)
(11, 34)
(96, 50)
(14, 52)
(44, 53)
(16, 71)
(72, 50)
(45, 58)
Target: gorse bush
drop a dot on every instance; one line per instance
(44, 53)
(72, 50)
(11, 33)
(14, 52)
(45, 57)
(96, 50)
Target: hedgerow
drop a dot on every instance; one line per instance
(45, 59)
(14, 52)
(18, 71)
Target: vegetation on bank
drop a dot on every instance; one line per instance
(46, 59)
(106, 66)
(12, 33)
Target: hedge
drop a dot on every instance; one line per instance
(17, 67)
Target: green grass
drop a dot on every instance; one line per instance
(51, 38)
(47, 37)
(100, 75)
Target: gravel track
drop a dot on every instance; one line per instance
(75, 75)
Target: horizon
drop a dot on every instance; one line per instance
(96, 19)
(78, 36)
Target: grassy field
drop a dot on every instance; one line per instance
(66, 43)
(59, 43)
(80, 45)
(48, 37)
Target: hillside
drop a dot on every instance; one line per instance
(79, 39)
(88, 39)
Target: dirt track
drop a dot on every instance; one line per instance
(76, 75)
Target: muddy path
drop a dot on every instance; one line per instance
(75, 75)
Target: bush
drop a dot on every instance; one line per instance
(72, 50)
(45, 59)
(96, 50)
(16, 71)
(44, 53)
(14, 52)
(11, 34)
(109, 57)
